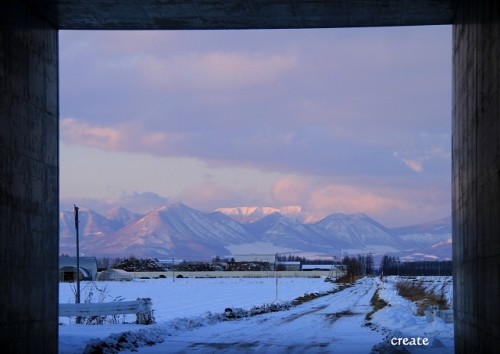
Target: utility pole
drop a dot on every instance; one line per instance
(77, 257)
(276, 260)
(173, 272)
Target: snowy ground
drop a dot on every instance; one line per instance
(190, 318)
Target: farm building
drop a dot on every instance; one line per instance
(169, 262)
(287, 266)
(269, 258)
(316, 266)
(114, 274)
(67, 269)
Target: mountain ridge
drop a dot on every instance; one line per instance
(180, 231)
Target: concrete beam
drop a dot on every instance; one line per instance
(476, 176)
(29, 178)
(241, 14)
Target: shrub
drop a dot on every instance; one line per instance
(377, 304)
(416, 292)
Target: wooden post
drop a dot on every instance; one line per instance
(77, 300)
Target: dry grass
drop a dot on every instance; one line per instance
(377, 304)
(334, 317)
(349, 279)
(416, 292)
(312, 296)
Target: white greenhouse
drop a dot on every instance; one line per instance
(114, 274)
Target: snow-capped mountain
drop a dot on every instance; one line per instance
(180, 231)
(136, 202)
(247, 215)
(361, 233)
(438, 251)
(90, 223)
(427, 234)
(122, 215)
(176, 230)
(293, 234)
(92, 228)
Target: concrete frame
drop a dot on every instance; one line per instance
(29, 138)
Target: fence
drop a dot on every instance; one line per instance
(237, 274)
(143, 308)
(432, 312)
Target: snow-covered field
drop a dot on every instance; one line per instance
(190, 317)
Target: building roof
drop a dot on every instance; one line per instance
(85, 262)
(114, 274)
(317, 266)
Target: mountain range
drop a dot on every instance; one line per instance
(179, 231)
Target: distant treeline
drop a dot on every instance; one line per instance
(363, 265)
(359, 266)
(106, 262)
(354, 266)
(131, 264)
(303, 260)
(393, 266)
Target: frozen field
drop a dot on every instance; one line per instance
(189, 315)
(188, 297)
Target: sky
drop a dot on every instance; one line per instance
(334, 120)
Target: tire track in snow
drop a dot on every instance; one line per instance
(305, 313)
(352, 293)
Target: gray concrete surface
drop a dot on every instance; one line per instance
(240, 14)
(476, 176)
(29, 138)
(28, 182)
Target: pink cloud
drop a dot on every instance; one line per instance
(413, 165)
(120, 137)
(209, 195)
(351, 199)
(321, 197)
(291, 191)
(433, 150)
(96, 136)
(215, 70)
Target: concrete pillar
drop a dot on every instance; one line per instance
(476, 176)
(28, 181)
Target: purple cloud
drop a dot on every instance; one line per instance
(345, 105)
